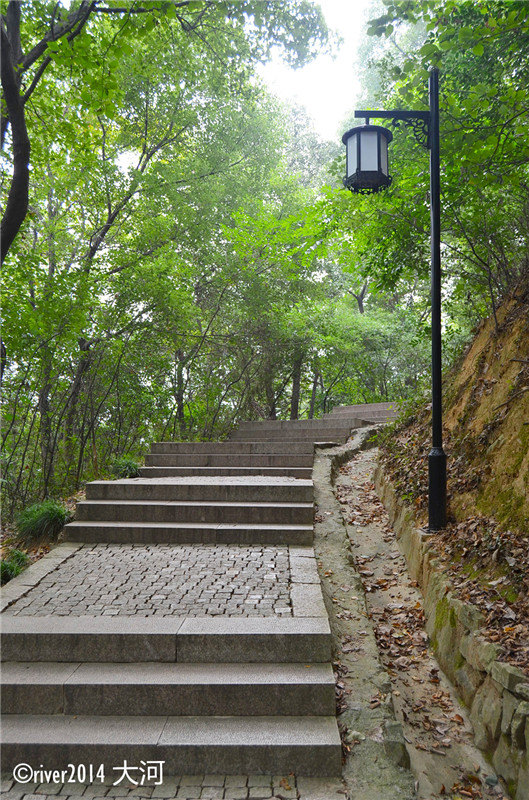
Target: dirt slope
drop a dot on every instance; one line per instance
(486, 435)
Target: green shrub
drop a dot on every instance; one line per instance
(12, 565)
(125, 468)
(42, 521)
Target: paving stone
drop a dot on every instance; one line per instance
(319, 789)
(179, 580)
(164, 791)
(236, 781)
(259, 780)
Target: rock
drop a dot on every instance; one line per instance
(469, 615)
(522, 690)
(492, 711)
(479, 653)
(486, 714)
(480, 732)
(394, 744)
(505, 761)
(354, 736)
(509, 707)
(507, 675)
(522, 792)
(468, 681)
(519, 721)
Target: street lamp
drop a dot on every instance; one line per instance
(368, 172)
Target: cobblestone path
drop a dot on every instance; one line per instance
(189, 787)
(165, 580)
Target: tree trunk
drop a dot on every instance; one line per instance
(83, 366)
(270, 396)
(179, 392)
(360, 298)
(296, 387)
(312, 406)
(45, 437)
(17, 200)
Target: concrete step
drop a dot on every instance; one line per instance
(188, 533)
(155, 689)
(365, 415)
(340, 435)
(165, 639)
(196, 448)
(170, 472)
(230, 489)
(188, 745)
(364, 407)
(194, 511)
(289, 426)
(232, 459)
(369, 411)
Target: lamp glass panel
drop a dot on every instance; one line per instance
(351, 155)
(369, 151)
(384, 154)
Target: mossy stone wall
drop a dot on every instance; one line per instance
(496, 693)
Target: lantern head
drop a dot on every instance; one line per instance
(367, 158)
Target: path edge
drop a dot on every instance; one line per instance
(329, 521)
(496, 693)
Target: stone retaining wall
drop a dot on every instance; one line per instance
(496, 693)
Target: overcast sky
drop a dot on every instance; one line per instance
(327, 87)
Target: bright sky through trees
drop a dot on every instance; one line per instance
(327, 87)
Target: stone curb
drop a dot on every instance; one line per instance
(495, 692)
(30, 577)
(326, 466)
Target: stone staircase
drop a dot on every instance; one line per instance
(185, 623)
(367, 412)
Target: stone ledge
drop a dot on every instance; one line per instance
(23, 583)
(383, 741)
(497, 693)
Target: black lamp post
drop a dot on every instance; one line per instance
(367, 172)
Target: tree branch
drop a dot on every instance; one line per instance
(17, 201)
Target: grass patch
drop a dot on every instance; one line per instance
(12, 565)
(43, 520)
(125, 468)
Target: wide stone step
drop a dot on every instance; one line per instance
(188, 533)
(365, 416)
(195, 511)
(231, 459)
(340, 435)
(290, 426)
(170, 472)
(155, 689)
(352, 409)
(165, 639)
(188, 745)
(242, 489)
(196, 448)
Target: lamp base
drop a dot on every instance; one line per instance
(436, 489)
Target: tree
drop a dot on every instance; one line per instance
(62, 36)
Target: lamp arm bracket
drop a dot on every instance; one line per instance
(418, 121)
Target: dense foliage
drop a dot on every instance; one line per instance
(188, 257)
